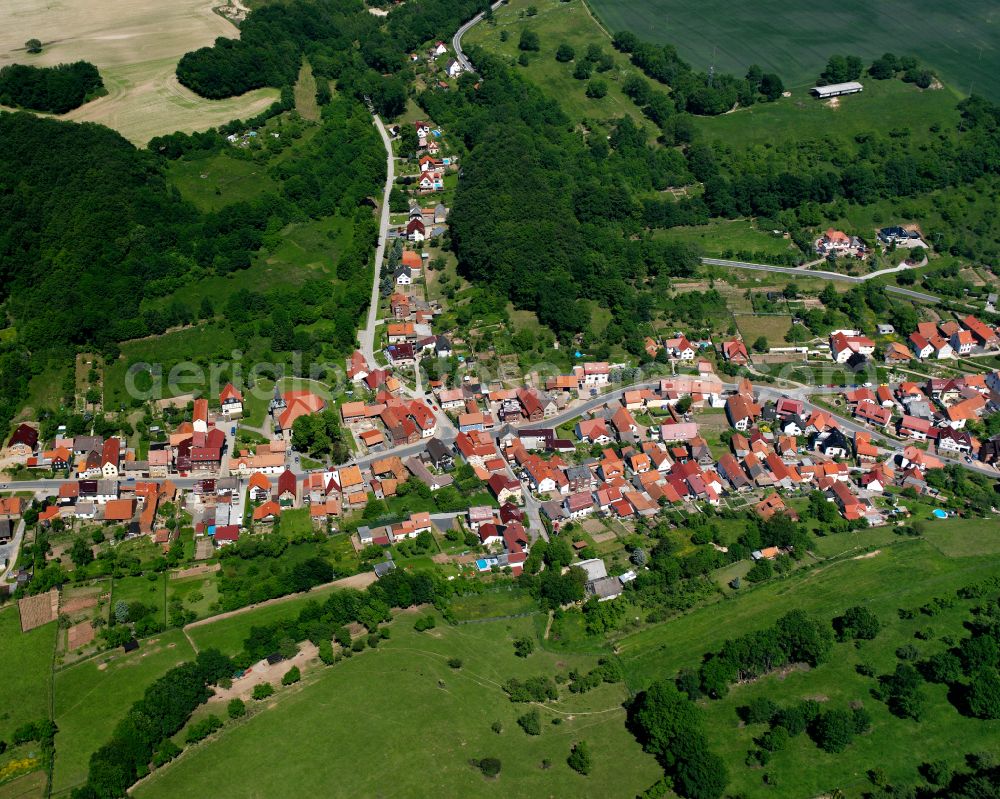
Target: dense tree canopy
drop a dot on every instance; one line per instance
(55, 90)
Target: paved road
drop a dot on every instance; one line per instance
(787, 270)
(456, 40)
(8, 552)
(366, 335)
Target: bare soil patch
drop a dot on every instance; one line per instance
(194, 571)
(78, 604)
(262, 672)
(38, 610)
(867, 555)
(79, 635)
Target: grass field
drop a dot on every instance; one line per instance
(727, 236)
(227, 635)
(402, 705)
(882, 106)
(795, 39)
(905, 573)
(305, 93)
(135, 44)
(557, 23)
(141, 589)
(93, 696)
(214, 182)
(959, 538)
(773, 328)
(26, 687)
(185, 589)
(895, 745)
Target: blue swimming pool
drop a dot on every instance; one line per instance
(483, 564)
(940, 514)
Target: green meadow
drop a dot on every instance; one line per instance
(402, 704)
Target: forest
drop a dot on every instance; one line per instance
(275, 38)
(54, 90)
(571, 222)
(89, 227)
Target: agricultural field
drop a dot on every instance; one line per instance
(92, 697)
(136, 46)
(405, 690)
(26, 687)
(557, 23)
(795, 40)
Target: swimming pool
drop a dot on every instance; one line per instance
(940, 514)
(482, 564)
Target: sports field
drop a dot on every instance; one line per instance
(795, 38)
(136, 45)
(398, 721)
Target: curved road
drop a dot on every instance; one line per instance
(366, 336)
(788, 270)
(456, 40)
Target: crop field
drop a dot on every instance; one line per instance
(557, 23)
(93, 696)
(25, 688)
(136, 45)
(795, 39)
(360, 710)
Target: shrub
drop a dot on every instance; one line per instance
(263, 691)
(565, 53)
(858, 622)
(455, 663)
(168, 751)
(579, 758)
(425, 623)
(202, 729)
(292, 676)
(236, 708)
(760, 711)
(523, 647)
(775, 739)
(531, 723)
(490, 766)
(597, 89)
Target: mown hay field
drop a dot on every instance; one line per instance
(136, 45)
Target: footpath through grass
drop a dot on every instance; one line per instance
(399, 721)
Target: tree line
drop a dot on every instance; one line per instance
(54, 90)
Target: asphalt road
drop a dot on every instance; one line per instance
(456, 40)
(366, 336)
(788, 270)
